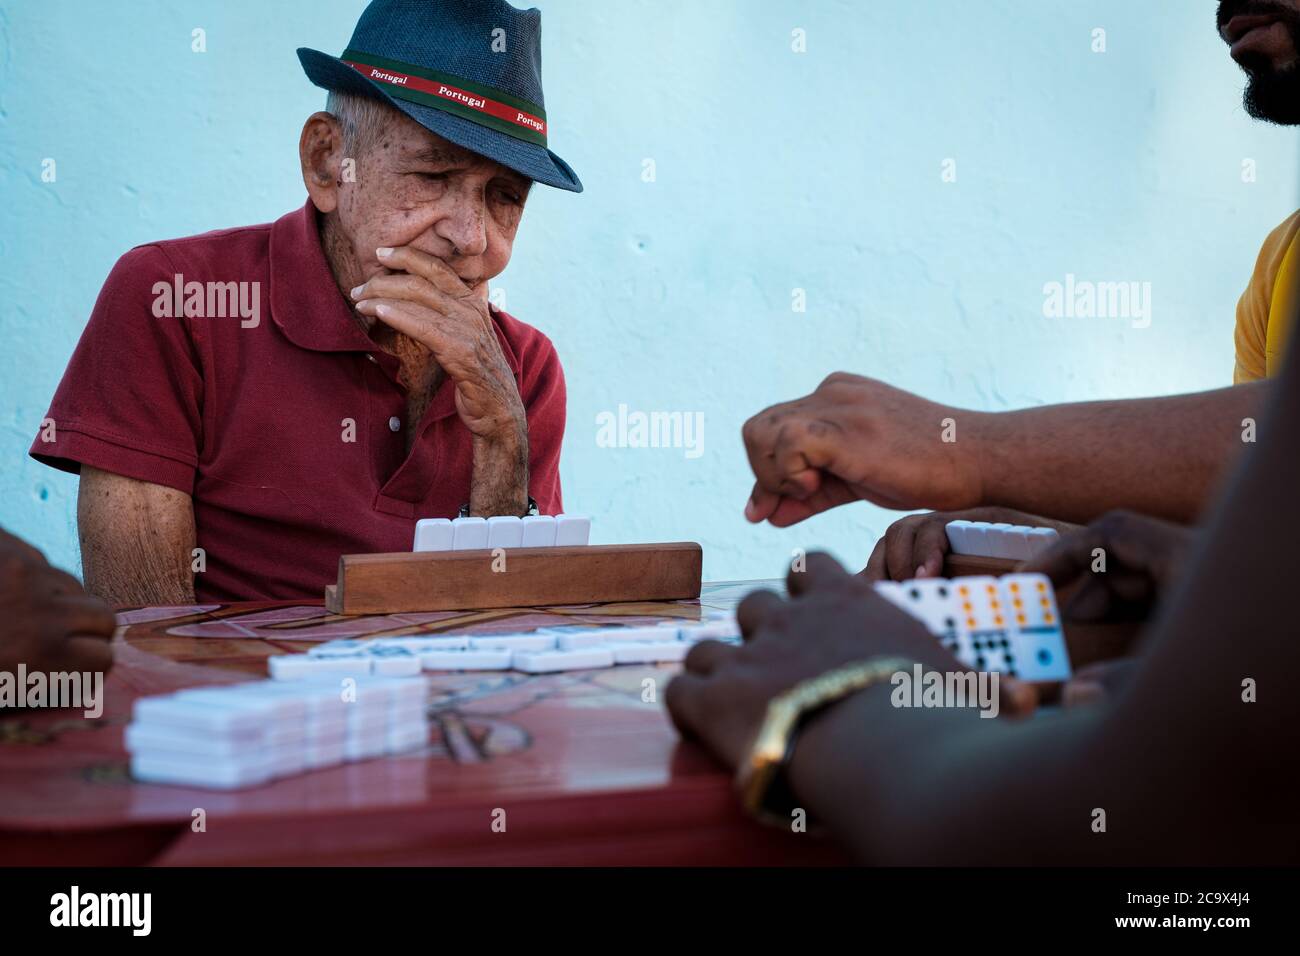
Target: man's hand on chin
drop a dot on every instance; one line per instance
(424, 300)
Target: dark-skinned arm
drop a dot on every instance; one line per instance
(1185, 771)
(856, 438)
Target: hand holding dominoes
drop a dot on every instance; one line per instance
(1120, 564)
(916, 546)
(831, 619)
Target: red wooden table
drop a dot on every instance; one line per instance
(582, 768)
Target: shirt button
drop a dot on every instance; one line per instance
(373, 360)
(394, 424)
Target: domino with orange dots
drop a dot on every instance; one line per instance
(1009, 624)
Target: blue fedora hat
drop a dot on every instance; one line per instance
(469, 71)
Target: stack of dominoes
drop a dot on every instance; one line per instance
(1008, 624)
(472, 534)
(1013, 542)
(544, 651)
(242, 735)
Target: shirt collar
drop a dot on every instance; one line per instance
(306, 303)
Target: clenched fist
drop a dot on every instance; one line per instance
(47, 621)
(857, 438)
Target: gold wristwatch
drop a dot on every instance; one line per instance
(759, 778)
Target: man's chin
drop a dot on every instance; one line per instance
(1274, 96)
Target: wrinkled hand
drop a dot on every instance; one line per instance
(855, 438)
(425, 300)
(1142, 558)
(831, 619)
(47, 621)
(916, 546)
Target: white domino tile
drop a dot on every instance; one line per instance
(305, 666)
(469, 534)
(996, 539)
(205, 774)
(959, 536)
(500, 531)
(719, 630)
(1009, 624)
(538, 531)
(1000, 540)
(393, 661)
(571, 530)
(542, 651)
(577, 636)
(169, 739)
(1035, 617)
(504, 531)
(433, 534)
(646, 652)
(403, 739)
(641, 634)
(514, 642)
(1040, 539)
(984, 638)
(418, 645)
(468, 660)
(233, 736)
(546, 662)
(340, 648)
(199, 717)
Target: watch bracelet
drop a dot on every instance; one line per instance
(772, 748)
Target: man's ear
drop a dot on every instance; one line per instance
(320, 151)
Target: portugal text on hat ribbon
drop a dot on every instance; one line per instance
(525, 122)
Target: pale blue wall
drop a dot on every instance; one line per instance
(775, 170)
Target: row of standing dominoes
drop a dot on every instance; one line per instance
(241, 735)
(1008, 624)
(1014, 542)
(502, 531)
(546, 650)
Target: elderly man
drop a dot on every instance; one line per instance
(246, 405)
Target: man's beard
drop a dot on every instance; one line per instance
(1271, 94)
(1274, 95)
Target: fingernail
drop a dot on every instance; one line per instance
(920, 571)
(384, 252)
(357, 291)
(749, 509)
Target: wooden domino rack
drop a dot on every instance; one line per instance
(514, 577)
(967, 565)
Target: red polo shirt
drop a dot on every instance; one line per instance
(252, 421)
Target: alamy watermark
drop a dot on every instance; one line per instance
(81, 690)
(208, 300)
(921, 688)
(75, 908)
(1084, 299)
(635, 429)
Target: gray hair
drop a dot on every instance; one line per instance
(362, 119)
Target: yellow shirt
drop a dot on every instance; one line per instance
(1267, 308)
